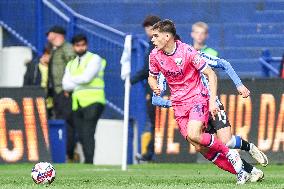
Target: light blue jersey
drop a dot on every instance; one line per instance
(216, 62)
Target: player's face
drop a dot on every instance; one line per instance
(149, 31)
(80, 48)
(160, 39)
(199, 35)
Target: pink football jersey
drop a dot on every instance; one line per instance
(182, 71)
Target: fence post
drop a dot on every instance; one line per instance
(39, 26)
(267, 57)
(71, 27)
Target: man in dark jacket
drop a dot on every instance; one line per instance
(141, 76)
(61, 54)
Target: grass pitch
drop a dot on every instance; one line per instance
(164, 176)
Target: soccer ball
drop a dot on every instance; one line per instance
(43, 173)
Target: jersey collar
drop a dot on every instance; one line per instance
(171, 54)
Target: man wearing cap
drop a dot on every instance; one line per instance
(62, 53)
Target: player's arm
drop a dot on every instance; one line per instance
(212, 80)
(152, 81)
(153, 75)
(158, 100)
(216, 62)
(227, 67)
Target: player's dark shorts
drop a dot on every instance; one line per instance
(221, 121)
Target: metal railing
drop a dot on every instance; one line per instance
(269, 64)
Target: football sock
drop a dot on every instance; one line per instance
(237, 142)
(220, 160)
(247, 167)
(245, 145)
(213, 143)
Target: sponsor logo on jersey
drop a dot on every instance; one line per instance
(178, 61)
(174, 73)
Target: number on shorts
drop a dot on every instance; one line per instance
(222, 116)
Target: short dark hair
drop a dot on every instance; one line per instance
(78, 38)
(177, 37)
(56, 29)
(151, 20)
(165, 26)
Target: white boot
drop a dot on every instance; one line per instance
(258, 155)
(256, 175)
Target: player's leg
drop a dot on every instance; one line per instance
(216, 146)
(222, 128)
(192, 119)
(195, 133)
(198, 115)
(256, 174)
(222, 125)
(237, 142)
(216, 158)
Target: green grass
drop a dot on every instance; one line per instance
(163, 176)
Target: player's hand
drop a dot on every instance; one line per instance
(213, 108)
(243, 91)
(157, 91)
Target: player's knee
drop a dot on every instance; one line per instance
(194, 131)
(193, 136)
(198, 148)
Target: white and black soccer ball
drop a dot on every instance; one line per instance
(43, 173)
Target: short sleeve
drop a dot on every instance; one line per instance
(197, 61)
(153, 66)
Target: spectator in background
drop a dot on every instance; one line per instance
(32, 75)
(43, 68)
(199, 35)
(84, 77)
(141, 76)
(61, 54)
(37, 74)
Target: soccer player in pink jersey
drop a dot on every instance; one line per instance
(181, 65)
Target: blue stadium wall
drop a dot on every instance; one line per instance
(239, 29)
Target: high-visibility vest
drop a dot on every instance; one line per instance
(89, 93)
(209, 51)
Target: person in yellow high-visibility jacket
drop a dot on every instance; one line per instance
(84, 78)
